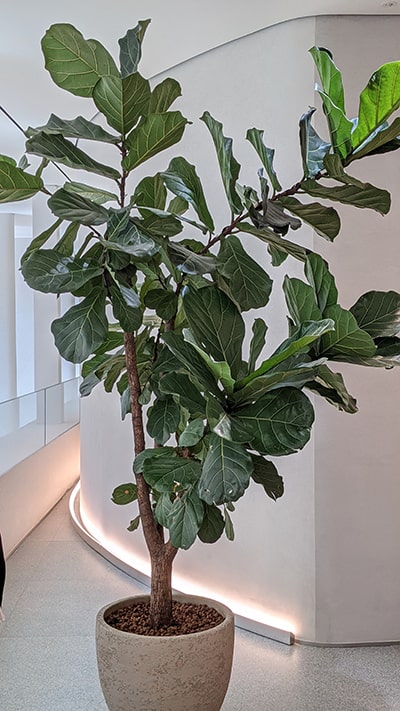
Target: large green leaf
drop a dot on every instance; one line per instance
(53, 146)
(75, 64)
(321, 280)
(330, 386)
(216, 325)
(149, 455)
(182, 180)
(331, 78)
(126, 307)
(324, 220)
(82, 329)
(278, 423)
(266, 474)
(193, 363)
(383, 140)
(163, 95)
(151, 192)
(131, 48)
(257, 343)
(164, 473)
(229, 167)
(340, 127)
(189, 396)
(185, 519)
(290, 373)
(255, 136)
(164, 303)
(15, 184)
(299, 342)
(79, 128)
(378, 100)
(313, 148)
(41, 239)
(249, 284)
(282, 245)
(220, 369)
(212, 526)
(163, 509)
(122, 101)
(378, 313)
(154, 134)
(190, 262)
(124, 494)
(347, 340)
(301, 301)
(358, 194)
(192, 434)
(226, 472)
(89, 192)
(76, 208)
(49, 271)
(163, 419)
(128, 238)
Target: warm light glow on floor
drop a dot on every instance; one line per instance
(281, 629)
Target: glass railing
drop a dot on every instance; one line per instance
(29, 422)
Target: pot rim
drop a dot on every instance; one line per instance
(180, 597)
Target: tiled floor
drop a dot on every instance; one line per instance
(55, 584)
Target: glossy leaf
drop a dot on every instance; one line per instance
(124, 494)
(193, 363)
(131, 48)
(190, 262)
(154, 134)
(255, 136)
(82, 329)
(358, 195)
(15, 184)
(150, 455)
(274, 215)
(75, 64)
(126, 307)
(151, 192)
(220, 369)
(226, 472)
(229, 530)
(164, 473)
(79, 128)
(182, 180)
(313, 148)
(192, 434)
(134, 524)
(257, 343)
(293, 372)
(324, 220)
(299, 342)
(249, 284)
(331, 386)
(89, 192)
(129, 239)
(279, 423)
(321, 280)
(174, 383)
(285, 246)
(216, 325)
(122, 101)
(347, 340)
(49, 271)
(379, 99)
(185, 519)
(331, 78)
(164, 303)
(266, 474)
(212, 526)
(301, 301)
(41, 239)
(55, 147)
(163, 95)
(383, 140)
(163, 509)
(378, 313)
(76, 208)
(229, 167)
(163, 419)
(340, 127)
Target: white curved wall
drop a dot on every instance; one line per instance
(324, 560)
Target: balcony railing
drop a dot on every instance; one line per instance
(32, 421)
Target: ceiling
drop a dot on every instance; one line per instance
(180, 29)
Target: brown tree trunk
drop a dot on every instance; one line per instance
(161, 554)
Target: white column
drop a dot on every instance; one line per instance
(8, 375)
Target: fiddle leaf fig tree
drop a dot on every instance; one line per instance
(161, 289)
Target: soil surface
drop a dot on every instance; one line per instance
(186, 618)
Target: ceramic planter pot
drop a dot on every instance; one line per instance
(139, 673)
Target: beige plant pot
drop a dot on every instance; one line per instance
(182, 673)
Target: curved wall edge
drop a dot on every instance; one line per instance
(104, 548)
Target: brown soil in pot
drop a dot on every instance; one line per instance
(186, 618)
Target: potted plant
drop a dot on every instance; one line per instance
(159, 317)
